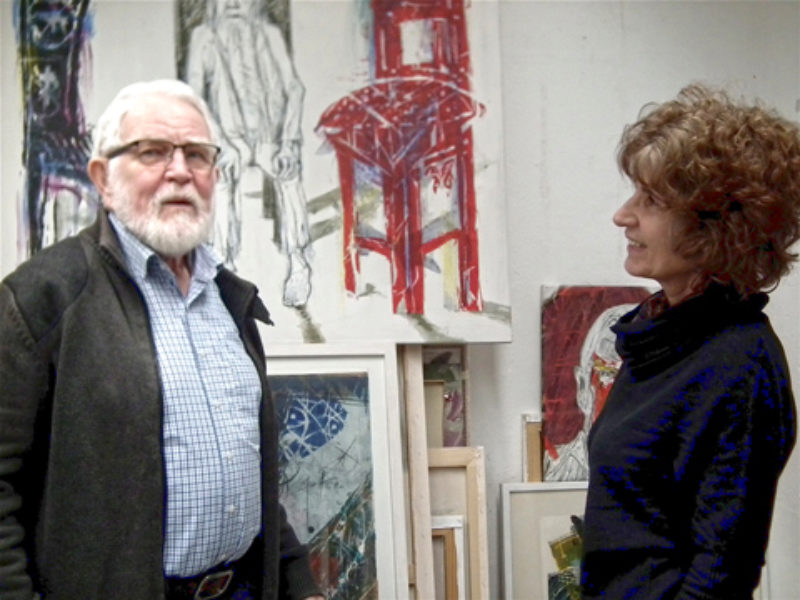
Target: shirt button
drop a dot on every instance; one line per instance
(232, 509)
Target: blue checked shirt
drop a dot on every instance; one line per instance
(211, 394)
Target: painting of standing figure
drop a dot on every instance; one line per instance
(238, 59)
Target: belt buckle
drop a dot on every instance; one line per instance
(213, 585)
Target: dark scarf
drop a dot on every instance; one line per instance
(651, 344)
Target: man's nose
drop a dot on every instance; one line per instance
(177, 167)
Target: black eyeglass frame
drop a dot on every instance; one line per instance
(125, 148)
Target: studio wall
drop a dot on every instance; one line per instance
(573, 74)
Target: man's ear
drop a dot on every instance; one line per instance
(98, 173)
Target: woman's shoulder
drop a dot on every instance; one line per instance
(745, 342)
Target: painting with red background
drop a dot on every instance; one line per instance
(567, 315)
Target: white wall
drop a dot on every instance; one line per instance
(10, 138)
(573, 74)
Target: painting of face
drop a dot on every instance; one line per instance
(650, 230)
(168, 206)
(238, 8)
(579, 364)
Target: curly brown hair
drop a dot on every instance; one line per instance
(731, 174)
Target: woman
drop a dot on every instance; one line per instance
(685, 457)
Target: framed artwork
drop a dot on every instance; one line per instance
(448, 553)
(579, 364)
(361, 189)
(541, 549)
(341, 464)
(458, 487)
(539, 546)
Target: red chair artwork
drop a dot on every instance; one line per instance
(412, 127)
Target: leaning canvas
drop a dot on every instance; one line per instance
(579, 364)
(341, 464)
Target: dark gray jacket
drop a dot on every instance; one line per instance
(82, 481)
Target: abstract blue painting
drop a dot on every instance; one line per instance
(326, 480)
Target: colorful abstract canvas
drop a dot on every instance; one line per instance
(326, 481)
(54, 58)
(341, 464)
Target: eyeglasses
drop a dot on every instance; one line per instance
(199, 156)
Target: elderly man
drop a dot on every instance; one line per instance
(138, 441)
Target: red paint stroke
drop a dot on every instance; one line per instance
(412, 121)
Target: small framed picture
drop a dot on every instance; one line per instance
(541, 545)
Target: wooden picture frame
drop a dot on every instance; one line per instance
(338, 403)
(531, 448)
(449, 565)
(451, 583)
(457, 482)
(531, 512)
(422, 576)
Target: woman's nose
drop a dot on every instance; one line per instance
(623, 217)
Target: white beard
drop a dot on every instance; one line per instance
(173, 236)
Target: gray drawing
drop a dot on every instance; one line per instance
(239, 60)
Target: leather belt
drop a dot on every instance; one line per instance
(205, 586)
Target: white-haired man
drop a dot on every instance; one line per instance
(138, 454)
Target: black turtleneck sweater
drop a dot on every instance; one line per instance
(685, 457)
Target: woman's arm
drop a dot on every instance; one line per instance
(736, 459)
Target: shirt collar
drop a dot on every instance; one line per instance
(139, 256)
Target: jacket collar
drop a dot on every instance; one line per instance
(239, 295)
